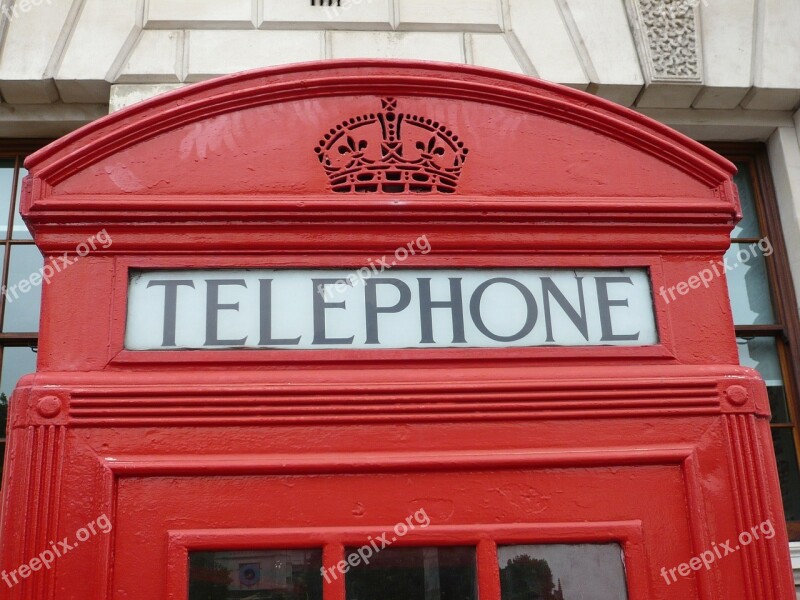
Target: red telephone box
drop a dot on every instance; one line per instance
(370, 328)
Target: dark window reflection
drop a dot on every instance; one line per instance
(562, 572)
(444, 573)
(256, 575)
(788, 472)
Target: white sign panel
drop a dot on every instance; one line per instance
(404, 308)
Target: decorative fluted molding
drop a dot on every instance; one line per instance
(667, 35)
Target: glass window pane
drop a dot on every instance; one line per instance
(761, 353)
(6, 181)
(749, 226)
(256, 575)
(562, 572)
(788, 472)
(16, 363)
(20, 231)
(22, 297)
(425, 573)
(748, 285)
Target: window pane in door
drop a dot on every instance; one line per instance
(256, 575)
(562, 572)
(424, 573)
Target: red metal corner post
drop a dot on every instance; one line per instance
(295, 308)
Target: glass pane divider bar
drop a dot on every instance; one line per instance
(772, 330)
(333, 586)
(13, 191)
(488, 570)
(19, 339)
(745, 240)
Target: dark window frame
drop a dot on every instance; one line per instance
(786, 329)
(16, 150)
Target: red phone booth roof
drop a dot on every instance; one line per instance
(467, 139)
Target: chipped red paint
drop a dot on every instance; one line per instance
(664, 448)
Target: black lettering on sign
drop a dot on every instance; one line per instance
(320, 306)
(265, 317)
(530, 304)
(578, 319)
(371, 304)
(212, 311)
(170, 305)
(605, 309)
(455, 304)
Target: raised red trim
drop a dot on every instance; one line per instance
(165, 113)
(378, 77)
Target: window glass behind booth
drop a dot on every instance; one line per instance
(19, 259)
(765, 311)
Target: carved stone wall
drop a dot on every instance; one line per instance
(667, 39)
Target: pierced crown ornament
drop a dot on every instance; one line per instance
(392, 152)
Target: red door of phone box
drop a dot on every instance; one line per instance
(124, 459)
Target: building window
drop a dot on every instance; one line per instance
(765, 312)
(19, 312)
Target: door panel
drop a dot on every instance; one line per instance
(345, 511)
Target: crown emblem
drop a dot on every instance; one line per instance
(391, 152)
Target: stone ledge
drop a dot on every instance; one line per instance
(205, 14)
(123, 95)
(46, 120)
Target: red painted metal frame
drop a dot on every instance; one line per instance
(665, 449)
